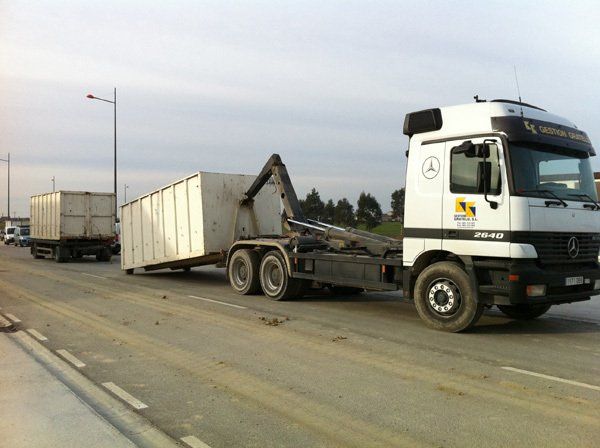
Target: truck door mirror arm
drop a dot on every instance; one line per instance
(485, 153)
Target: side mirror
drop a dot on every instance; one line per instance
(483, 151)
(484, 171)
(484, 176)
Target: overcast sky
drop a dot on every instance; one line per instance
(219, 85)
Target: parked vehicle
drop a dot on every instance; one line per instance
(22, 236)
(115, 247)
(501, 209)
(71, 224)
(9, 236)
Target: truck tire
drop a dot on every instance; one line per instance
(274, 278)
(445, 298)
(524, 311)
(61, 254)
(104, 254)
(242, 271)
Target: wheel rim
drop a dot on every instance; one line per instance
(443, 297)
(239, 273)
(272, 276)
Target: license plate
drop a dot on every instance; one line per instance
(572, 281)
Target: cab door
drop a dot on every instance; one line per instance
(472, 224)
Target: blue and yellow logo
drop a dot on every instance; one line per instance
(465, 208)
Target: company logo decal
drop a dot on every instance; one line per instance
(556, 131)
(465, 213)
(530, 127)
(573, 247)
(431, 167)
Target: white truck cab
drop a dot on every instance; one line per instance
(504, 190)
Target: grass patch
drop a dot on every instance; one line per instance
(391, 229)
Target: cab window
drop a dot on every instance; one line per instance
(467, 171)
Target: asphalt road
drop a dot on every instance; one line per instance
(328, 371)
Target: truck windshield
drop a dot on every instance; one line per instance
(539, 169)
(24, 231)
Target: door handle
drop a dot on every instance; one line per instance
(451, 234)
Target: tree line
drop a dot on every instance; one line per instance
(368, 210)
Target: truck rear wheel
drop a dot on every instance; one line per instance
(104, 255)
(61, 254)
(524, 311)
(243, 271)
(445, 298)
(274, 278)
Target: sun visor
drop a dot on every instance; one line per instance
(520, 129)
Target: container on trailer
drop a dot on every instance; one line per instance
(194, 221)
(72, 215)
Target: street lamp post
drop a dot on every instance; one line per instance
(7, 160)
(53, 184)
(125, 187)
(114, 103)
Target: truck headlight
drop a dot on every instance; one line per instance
(536, 290)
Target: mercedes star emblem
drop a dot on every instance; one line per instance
(431, 167)
(573, 247)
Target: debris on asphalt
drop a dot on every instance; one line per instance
(339, 338)
(271, 322)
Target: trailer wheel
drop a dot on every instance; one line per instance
(243, 271)
(275, 281)
(445, 298)
(524, 311)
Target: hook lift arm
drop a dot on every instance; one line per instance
(276, 168)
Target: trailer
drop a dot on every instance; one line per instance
(72, 224)
(501, 210)
(193, 222)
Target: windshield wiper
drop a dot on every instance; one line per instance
(548, 203)
(584, 195)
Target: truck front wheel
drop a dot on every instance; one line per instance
(445, 298)
(243, 271)
(524, 311)
(274, 278)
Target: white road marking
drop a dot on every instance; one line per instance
(12, 317)
(36, 334)
(69, 357)
(553, 378)
(137, 404)
(92, 275)
(194, 442)
(221, 303)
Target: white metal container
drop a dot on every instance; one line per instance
(73, 215)
(191, 220)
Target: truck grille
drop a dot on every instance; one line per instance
(553, 247)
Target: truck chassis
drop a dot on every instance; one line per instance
(65, 249)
